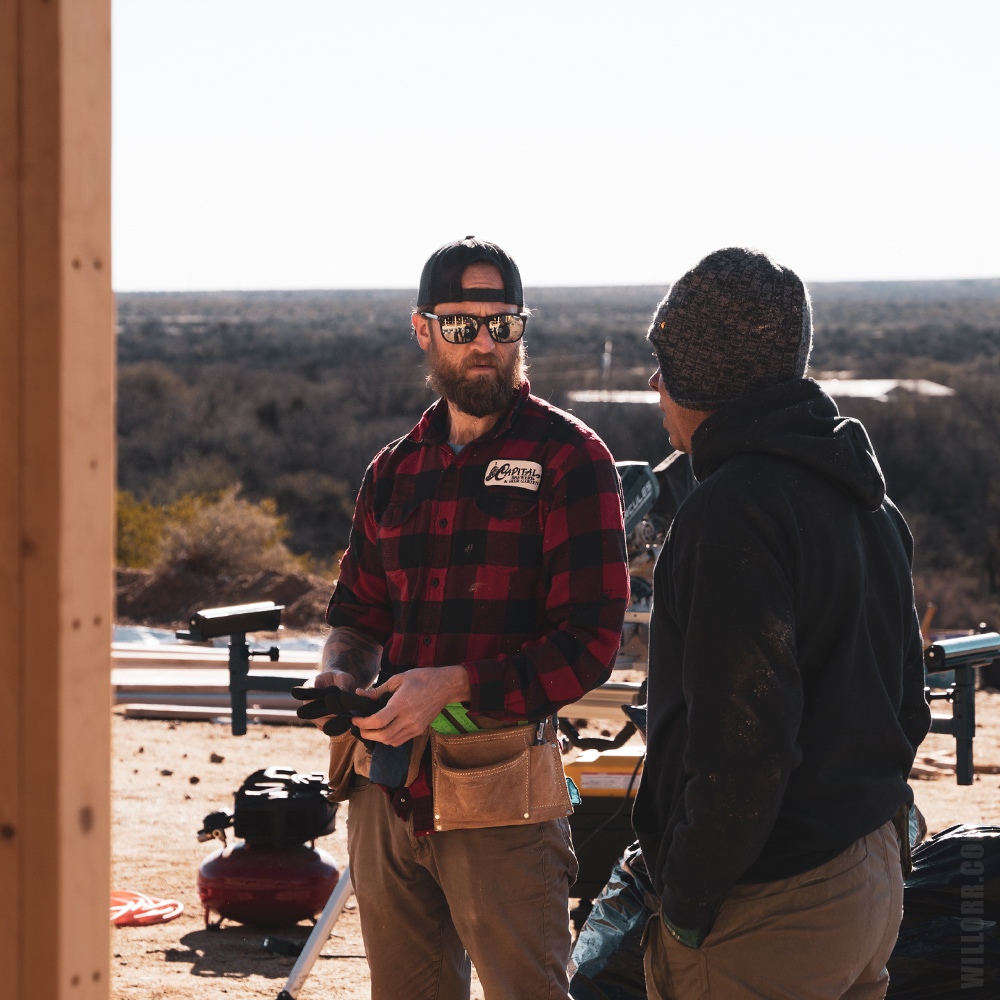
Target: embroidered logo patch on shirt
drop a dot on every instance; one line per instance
(526, 475)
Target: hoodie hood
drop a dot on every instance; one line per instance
(797, 421)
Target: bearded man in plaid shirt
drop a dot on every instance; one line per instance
(484, 587)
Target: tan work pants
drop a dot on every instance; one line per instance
(823, 935)
(427, 904)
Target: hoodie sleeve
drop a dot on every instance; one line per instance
(914, 712)
(743, 689)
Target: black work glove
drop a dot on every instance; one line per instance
(343, 705)
(337, 726)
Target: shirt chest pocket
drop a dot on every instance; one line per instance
(508, 533)
(401, 543)
(505, 507)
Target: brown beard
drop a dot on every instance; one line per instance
(480, 395)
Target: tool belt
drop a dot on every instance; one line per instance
(349, 756)
(342, 753)
(510, 776)
(498, 777)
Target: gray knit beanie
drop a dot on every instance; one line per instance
(735, 323)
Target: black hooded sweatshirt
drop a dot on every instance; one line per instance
(786, 684)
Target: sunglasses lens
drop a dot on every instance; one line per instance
(506, 329)
(458, 329)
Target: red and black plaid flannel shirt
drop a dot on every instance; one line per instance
(508, 558)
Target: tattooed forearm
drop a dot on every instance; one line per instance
(354, 653)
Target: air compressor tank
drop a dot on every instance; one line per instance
(266, 886)
(271, 877)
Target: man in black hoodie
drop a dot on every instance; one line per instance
(785, 669)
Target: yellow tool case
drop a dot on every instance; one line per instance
(606, 774)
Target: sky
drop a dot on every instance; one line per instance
(261, 144)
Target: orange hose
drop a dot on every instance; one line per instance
(135, 909)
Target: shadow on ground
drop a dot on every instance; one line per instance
(237, 951)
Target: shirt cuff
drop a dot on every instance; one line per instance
(689, 937)
(487, 686)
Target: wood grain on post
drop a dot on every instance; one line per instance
(56, 496)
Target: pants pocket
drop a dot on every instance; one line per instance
(673, 972)
(573, 865)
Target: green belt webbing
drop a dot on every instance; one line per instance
(454, 720)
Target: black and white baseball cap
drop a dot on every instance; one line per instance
(441, 279)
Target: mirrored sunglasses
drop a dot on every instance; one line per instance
(504, 328)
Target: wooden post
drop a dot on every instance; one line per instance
(56, 497)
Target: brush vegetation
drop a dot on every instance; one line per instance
(246, 420)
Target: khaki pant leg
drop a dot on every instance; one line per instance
(412, 947)
(508, 889)
(673, 972)
(823, 935)
(887, 876)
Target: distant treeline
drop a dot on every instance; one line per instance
(291, 394)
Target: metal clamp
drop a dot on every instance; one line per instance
(962, 655)
(235, 622)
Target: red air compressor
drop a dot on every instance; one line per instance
(273, 877)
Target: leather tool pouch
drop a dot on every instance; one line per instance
(342, 753)
(359, 759)
(497, 777)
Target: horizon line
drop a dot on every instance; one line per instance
(413, 290)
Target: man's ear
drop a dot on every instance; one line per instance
(422, 328)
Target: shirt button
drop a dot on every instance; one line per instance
(427, 640)
(434, 582)
(443, 522)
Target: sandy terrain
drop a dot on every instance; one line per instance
(156, 816)
(945, 803)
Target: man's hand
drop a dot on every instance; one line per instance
(331, 725)
(418, 696)
(349, 660)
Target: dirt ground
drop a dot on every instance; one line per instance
(157, 814)
(156, 851)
